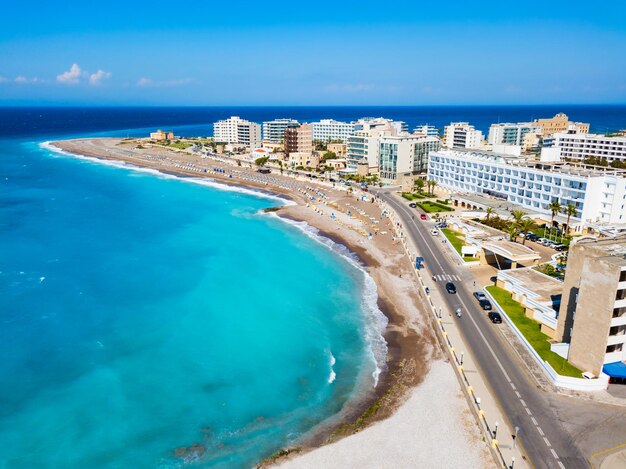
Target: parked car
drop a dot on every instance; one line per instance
(434, 232)
(495, 317)
(479, 295)
(423, 217)
(450, 288)
(485, 305)
(532, 237)
(412, 205)
(561, 247)
(442, 225)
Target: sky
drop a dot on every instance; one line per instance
(312, 53)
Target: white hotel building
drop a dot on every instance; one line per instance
(329, 129)
(510, 134)
(238, 131)
(579, 147)
(599, 194)
(462, 135)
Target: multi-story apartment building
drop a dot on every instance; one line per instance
(363, 147)
(462, 135)
(404, 154)
(235, 130)
(376, 123)
(592, 316)
(299, 139)
(580, 147)
(599, 194)
(329, 129)
(274, 131)
(428, 130)
(510, 134)
(559, 123)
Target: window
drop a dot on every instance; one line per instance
(621, 294)
(617, 330)
(622, 276)
(619, 312)
(614, 348)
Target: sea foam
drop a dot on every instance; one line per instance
(208, 182)
(375, 321)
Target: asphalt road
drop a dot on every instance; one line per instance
(544, 439)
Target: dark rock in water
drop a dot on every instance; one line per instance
(194, 451)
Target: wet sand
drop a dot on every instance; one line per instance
(346, 219)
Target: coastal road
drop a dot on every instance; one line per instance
(545, 440)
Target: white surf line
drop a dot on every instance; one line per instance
(160, 173)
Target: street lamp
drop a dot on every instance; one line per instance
(461, 358)
(512, 462)
(515, 436)
(495, 432)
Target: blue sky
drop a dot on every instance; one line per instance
(317, 53)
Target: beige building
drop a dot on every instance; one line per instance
(161, 136)
(303, 159)
(338, 149)
(336, 163)
(560, 123)
(298, 138)
(592, 317)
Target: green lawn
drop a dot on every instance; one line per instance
(457, 241)
(433, 207)
(531, 330)
(415, 195)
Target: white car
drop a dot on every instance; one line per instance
(434, 232)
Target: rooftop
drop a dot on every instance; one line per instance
(581, 170)
(546, 288)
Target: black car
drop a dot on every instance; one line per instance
(495, 317)
(485, 305)
(532, 237)
(412, 205)
(561, 248)
(451, 288)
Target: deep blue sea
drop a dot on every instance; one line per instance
(150, 321)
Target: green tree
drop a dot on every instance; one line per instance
(518, 215)
(554, 207)
(570, 211)
(260, 162)
(525, 225)
(418, 185)
(489, 211)
(329, 155)
(513, 231)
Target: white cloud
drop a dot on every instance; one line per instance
(145, 82)
(72, 76)
(22, 80)
(97, 77)
(3, 79)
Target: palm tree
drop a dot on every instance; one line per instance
(431, 185)
(518, 215)
(418, 185)
(489, 211)
(525, 225)
(513, 232)
(554, 207)
(570, 210)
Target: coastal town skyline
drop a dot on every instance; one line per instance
(145, 53)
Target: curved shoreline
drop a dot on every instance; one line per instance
(409, 351)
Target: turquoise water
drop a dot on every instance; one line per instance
(144, 314)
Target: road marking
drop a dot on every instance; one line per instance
(523, 402)
(527, 410)
(556, 456)
(534, 421)
(547, 442)
(561, 465)
(512, 385)
(519, 396)
(540, 431)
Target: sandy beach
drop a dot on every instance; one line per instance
(417, 415)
